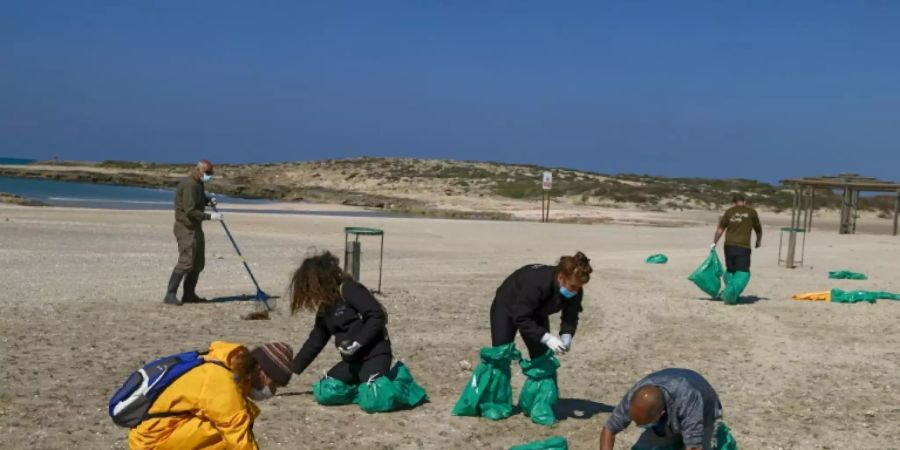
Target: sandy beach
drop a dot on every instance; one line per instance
(81, 308)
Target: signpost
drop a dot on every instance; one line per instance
(545, 196)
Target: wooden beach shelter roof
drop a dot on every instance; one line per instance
(845, 180)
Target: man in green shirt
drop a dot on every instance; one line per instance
(737, 223)
(190, 206)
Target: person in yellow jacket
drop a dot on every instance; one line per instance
(211, 405)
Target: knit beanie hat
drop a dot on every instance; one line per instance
(275, 359)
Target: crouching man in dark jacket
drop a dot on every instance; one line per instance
(674, 407)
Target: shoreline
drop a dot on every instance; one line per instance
(285, 197)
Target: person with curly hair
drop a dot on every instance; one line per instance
(346, 310)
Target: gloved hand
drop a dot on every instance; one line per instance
(554, 343)
(712, 246)
(215, 216)
(349, 349)
(211, 200)
(567, 341)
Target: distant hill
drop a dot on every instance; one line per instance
(445, 187)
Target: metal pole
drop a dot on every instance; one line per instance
(260, 294)
(845, 206)
(547, 208)
(896, 211)
(346, 252)
(792, 232)
(380, 262)
(854, 210)
(812, 207)
(805, 205)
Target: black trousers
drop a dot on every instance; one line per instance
(503, 331)
(737, 259)
(355, 372)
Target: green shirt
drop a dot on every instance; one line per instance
(738, 222)
(190, 203)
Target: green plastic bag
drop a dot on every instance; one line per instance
(839, 296)
(735, 283)
(394, 391)
(724, 439)
(708, 277)
(551, 443)
(540, 392)
(658, 258)
(331, 391)
(847, 275)
(488, 392)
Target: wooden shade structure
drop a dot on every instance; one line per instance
(851, 184)
(804, 203)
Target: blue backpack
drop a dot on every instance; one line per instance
(129, 405)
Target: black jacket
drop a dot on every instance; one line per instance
(356, 316)
(531, 294)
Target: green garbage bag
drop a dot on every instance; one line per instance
(331, 391)
(847, 275)
(488, 393)
(735, 283)
(724, 439)
(839, 296)
(394, 391)
(708, 277)
(658, 258)
(540, 392)
(551, 443)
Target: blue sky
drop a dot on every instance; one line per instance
(752, 89)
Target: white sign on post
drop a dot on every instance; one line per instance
(548, 181)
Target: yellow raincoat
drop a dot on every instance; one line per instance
(218, 413)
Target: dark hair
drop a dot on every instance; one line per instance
(738, 198)
(578, 266)
(316, 284)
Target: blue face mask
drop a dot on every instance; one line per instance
(206, 177)
(566, 293)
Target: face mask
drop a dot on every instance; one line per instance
(261, 394)
(566, 293)
(206, 177)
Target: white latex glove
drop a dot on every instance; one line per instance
(212, 200)
(215, 216)
(351, 349)
(554, 343)
(567, 341)
(712, 246)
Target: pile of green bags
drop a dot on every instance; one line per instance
(551, 443)
(847, 275)
(708, 277)
(839, 296)
(489, 392)
(395, 391)
(658, 258)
